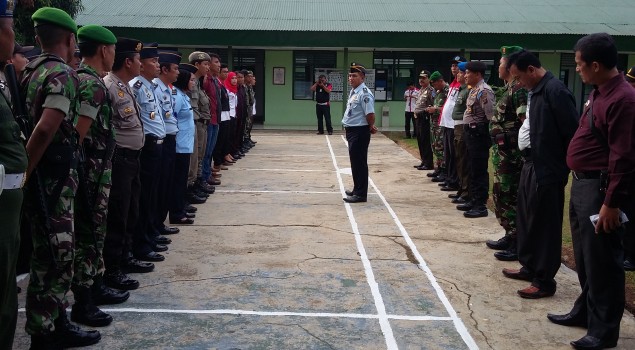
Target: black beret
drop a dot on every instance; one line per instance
(173, 57)
(188, 67)
(150, 50)
(476, 66)
(127, 45)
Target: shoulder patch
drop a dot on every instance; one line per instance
(138, 84)
(120, 93)
(366, 99)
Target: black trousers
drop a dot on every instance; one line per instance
(323, 115)
(222, 143)
(449, 155)
(358, 138)
(598, 259)
(179, 185)
(150, 160)
(539, 227)
(123, 207)
(410, 118)
(477, 141)
(166, 181)
(422, 124)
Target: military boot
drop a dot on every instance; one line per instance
(103, 295)
(68, 335)
(511, 253)
(84, 310)
(500, 244)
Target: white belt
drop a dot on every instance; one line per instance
(159, 142)
(13, 181)
(323, 104)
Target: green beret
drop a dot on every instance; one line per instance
(508, 50)
(54, 16)
(435, 76)
(96, 34)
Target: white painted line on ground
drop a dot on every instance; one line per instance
(290, 155)
(289, 170)
(458, 324)
(384, 324)
(282, 192)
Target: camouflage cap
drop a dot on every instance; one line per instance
(436, 75)
(508, 50)
(54, 16)
(198, 56)
(96, 34)
(630, 75)
(6, 8)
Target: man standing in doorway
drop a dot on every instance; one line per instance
(359, 122)
(322, 90)
(410, 96)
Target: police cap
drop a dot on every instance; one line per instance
(33, 54)
(127, 45)
(188, 67)
(150, 50)
(357, 68)
(457, 59)
(54, 16)
(476, 66)
(173, 57)
(17, 48)
(424, 74)
(92, 33)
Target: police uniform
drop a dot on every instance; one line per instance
(13, 164)
(51, 84)
(201, 108)
(360, 104)
(422, 123)
(95, 180)
(154, 128)
(123, 204)
(506, 157)
(480, 109)
(165, 95)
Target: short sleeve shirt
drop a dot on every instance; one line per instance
(125, 118)
(165, 99)
(143, 91)
(361, 102)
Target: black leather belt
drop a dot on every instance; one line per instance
(581, 175)
(526, 153)
(153, 139)
(127, 152)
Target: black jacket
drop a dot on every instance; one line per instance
(553, 119)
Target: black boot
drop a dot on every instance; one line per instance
(103, 295)
(84, 310)
(500, 244)
(44, 342)
(511, 253)
(68, 335)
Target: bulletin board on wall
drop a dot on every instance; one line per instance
(339, 80)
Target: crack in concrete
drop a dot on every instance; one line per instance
(216, 278)
(409, 254)
(446, 240)
(329, 345)
(469, 299)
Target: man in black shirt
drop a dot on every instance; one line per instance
(322, 90)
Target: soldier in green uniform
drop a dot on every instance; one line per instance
(436, 131)
(13, 163)
(52, 105)
(504, 126)
(96, 134)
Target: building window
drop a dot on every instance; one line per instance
(304, 64)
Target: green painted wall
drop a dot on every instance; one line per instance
(631, 60)
(551, 62)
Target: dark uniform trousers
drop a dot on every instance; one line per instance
(179, 186)
(598, 259)
(410, 118)
(123, 207)
(150, 161)
(449, 154)
(222, 144)
(539, 227)
(323, 113)
(423, 139)
(10, 205)
(358, 138)
(477, 141)
(462, 166)
(166, 181)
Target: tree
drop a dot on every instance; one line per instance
(24, 32)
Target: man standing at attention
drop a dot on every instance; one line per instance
(410, 96)
(359, 122)
(322, 90)
(600, 155)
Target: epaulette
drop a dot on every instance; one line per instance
(365, 89)
(121, 85)
(138, 84)
(154, 86)
(173, 91)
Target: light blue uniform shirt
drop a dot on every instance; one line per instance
(185, 118)
(165, 99)
(143, 91)
(361, 102)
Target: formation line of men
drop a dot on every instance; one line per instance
(107, 152)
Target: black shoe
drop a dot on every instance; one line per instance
(167, 230)
(162, 240)
(501, 244)
(354, 199)
(181, 221)
(479, 212)
(589, 342)
(133, 265)
(119, 280)
(201, 194)
(330, 133)
(425, 167)
(454, 195)
(629, 265)
(348, 193)
(194, 199)
(418, 166)
(459, 200)
(190, 215)
(69, 335)
(190, 209)
(103, 295)
(465, 206)
(152, 256)
(438, 179)
(568, 320)
(507, 255)
(433, 174)
(89, 315)
(320, 133)
(450, 188)
(158, 248)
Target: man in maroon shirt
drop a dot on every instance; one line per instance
(603, 163)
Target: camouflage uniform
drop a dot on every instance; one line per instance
(506, 159)
(94, 188)
(436, 131)
(52, 84)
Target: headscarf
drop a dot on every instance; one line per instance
(228, 83)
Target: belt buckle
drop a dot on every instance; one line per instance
(23, 181)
